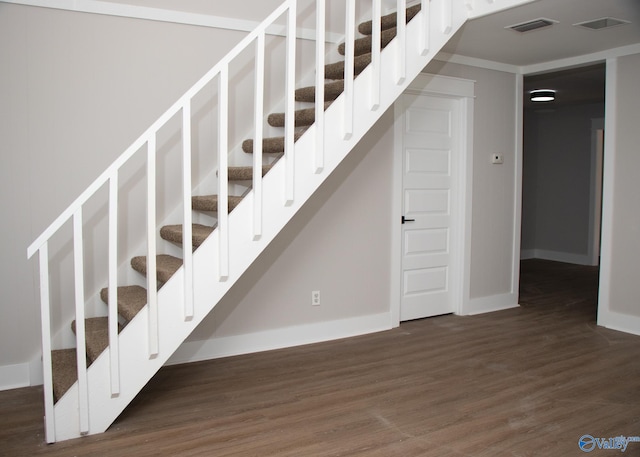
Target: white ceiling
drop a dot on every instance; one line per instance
(486, 37)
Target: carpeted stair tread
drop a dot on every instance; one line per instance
(65, 371)
(274, 145)
(166, 264)
(363, 45)
(131, 299)
(331, 91)
(173, 233)
(336, 70)
(210, 202)
(388, 21)
(245, 173)
(305, 116)
(96, 335)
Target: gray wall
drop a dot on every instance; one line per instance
(556, 185)
(493, 185)
(622, 296)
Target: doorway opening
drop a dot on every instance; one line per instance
(562, 187)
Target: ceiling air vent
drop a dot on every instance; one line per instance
(602, 23)
(531, 25)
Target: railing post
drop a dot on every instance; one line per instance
(114, 346)
(425, 29)
(447, 16)
(152, 268)
(401, 18)
(187, 227)
(319, 101)
(81, 345)
(289, 127)
(223, 175)
(375, 54)
(350, 20)
(257, 142)
(49, 422)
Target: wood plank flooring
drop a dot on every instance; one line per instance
(528, 381)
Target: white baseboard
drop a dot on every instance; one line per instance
(194, 351)
(526, 254)
(30, 373)
(618, 321)
(21, 375)
(14, 376)
(556, 256)
(490, 304)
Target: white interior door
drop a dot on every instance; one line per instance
(431, 155)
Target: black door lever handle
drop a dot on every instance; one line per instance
(404, 219)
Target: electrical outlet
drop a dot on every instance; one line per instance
(315, 298)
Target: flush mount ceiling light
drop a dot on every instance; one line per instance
(543, 95)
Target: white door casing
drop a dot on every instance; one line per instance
(432, 185)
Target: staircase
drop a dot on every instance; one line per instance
(87, 387)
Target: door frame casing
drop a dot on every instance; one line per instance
(462, 90)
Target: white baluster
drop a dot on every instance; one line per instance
(289, 127)
(350, 20)
(187, 212)
(425, 27)
(401, 19)
(81, 345)
(319, 100)
(45, 318)
(376, 15)
(114, 346)
(223, 175)
(257, 142)
(447, 16)
(152, 268)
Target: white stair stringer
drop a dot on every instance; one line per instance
(136, 368)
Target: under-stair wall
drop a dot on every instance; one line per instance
(212, 278)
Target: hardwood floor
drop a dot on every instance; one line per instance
(528, 381)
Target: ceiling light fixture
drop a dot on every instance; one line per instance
(543, 95)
